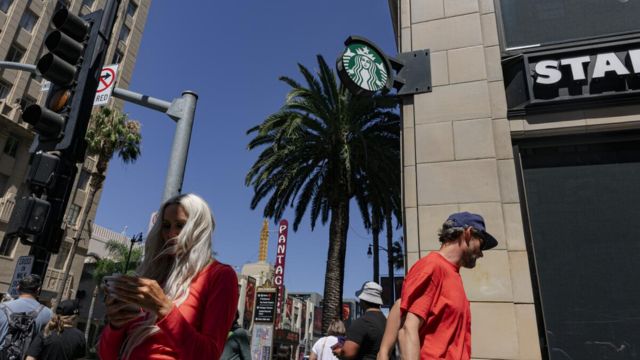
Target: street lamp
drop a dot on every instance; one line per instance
(391, 274)
(94, 295)
(134, 239)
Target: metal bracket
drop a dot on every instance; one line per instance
(413, 72)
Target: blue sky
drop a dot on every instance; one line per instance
(231, 53)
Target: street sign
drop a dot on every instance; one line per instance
(366, 70)
(23, 268)
(106, 84)
(265, 307)
(105, 87)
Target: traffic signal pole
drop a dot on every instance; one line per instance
(76, 52)
(182, 110)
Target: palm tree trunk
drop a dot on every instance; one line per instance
(334, 276)
(76, 240)
(390, 257)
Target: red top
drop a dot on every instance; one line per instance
(197, 329)
(433, 291)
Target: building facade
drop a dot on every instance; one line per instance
(23, 28)
(532, 122)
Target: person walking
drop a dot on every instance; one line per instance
(22, 319)
(182, 302)
(237, 346)
(322, 349)
(365, 333)
(435, 309)
(60, 340)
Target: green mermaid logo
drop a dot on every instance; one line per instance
(365, 67)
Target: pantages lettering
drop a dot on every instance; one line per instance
(548, 72)
(278, 277)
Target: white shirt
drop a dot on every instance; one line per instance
(322, 348)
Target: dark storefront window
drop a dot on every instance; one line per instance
(582, 202)
(534, 23)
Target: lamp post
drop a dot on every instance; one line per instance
(96, 288)
(134, 239)
(390, 264)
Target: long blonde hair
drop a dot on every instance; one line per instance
(174, 267)
(58, 323)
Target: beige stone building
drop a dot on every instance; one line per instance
(533, 123)
(23, 28)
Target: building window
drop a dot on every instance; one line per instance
(88, 3)
(579, 192)
(7, 246)
(534, 23)
(5, 5)
(83, 180)
(117, 57)
(124, 33)
(15, 53)
(11, 146)
(72, 214)
(131, 10)
(29, 20)
(5, 88)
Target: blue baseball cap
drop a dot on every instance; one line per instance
(467, 219)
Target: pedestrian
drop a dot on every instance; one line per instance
(365, 333)
(22, 319)
(437, 315)
(322, 349)
(237, 346)
(60, 340)
(182, 301)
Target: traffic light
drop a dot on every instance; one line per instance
(76, 51)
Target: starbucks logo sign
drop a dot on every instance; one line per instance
(363, 68)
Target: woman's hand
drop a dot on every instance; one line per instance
(120, 313)
(143, 292)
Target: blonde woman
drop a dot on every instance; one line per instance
(60, 338)
(322, 349)
(182, 303)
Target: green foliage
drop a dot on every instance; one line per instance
(116, 259)
(321, 146)
(111, 132)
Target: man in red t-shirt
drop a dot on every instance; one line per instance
(435, 310)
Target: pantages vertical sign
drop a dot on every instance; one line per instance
(559, 79)
(278, 277)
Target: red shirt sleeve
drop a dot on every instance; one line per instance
(111, 340)
(420, 288)
(220, 303)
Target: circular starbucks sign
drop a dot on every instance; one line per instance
(363, 68)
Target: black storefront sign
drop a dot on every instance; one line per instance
(570, 78)
(265, 307)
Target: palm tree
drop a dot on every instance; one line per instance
(110, 132)
(316, 152)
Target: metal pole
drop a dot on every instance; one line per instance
(126, 265)
(180, 148)
(142, 100)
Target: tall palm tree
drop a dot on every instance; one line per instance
(314, 154)
(110, 132)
